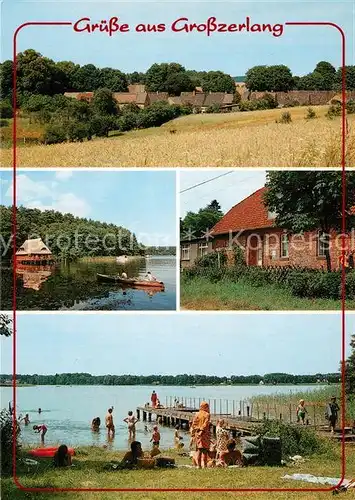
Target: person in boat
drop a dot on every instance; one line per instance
(62, 457)
(109, 422)
(26, 419)
(150, 277)
(41, 429)
(95, 424)
(200, 429)
(124, 275)
(131, 421)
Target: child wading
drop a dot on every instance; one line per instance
(131, 421)
(155, 439)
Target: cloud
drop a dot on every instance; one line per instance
(63, 175)
(45, 196)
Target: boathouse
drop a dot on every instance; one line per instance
(34, 252)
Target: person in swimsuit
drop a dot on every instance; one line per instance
(222, 437)
(155, 439)
(95, 424)
(131, 421)
(62, 457)
(231, 456)
(301, 412)
(26, 419)
(42, 429)
(109, 422)
(150, 277)
(178, 438)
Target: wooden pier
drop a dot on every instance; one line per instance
(183, 416)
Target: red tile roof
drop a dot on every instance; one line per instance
(250, 213)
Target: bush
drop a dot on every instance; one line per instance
(128, 121)
(310, 114)
(292, 103)
(295, 440)
(6, 110)
(101, 125)
(4, 123)
(349, 286)
(78, 131)
(54, 134)
(270, 100)
(214, 108)
(285, 117)
(333, 110)
(350, 106)
(43, 116)
(6, 430)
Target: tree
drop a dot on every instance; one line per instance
(308, 201)
(349, 78)
(196, 224)
(350, 370)
(37, 74)
(167, 77)
(6, 79)
(217, 81)
(276, 78)
(135, 77)
(5, 325)
(113, 79)
(103, 102)
(86, 78)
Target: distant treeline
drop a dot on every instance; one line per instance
(182, 380)
(160, 250)
(66, 236)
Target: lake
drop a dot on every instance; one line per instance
(74, 286)
(68, 410)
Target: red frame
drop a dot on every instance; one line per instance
(14, 134)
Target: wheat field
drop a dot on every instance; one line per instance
(248, 139)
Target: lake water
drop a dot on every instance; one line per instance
(75, 287)
(68, 410)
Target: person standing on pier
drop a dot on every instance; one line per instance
(200, 430)
(154, 399)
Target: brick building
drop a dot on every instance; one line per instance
(34, 252)
(251, 226)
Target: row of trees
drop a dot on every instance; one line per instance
(37, 74)
(181, 380)
(279, 78)
(160, 251)
(67, 236)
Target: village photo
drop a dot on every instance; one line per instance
(182, 97)
(261, 240)
(89, 240)
(269, 417)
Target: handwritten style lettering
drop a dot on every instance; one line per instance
(211, 26)
(111, 26)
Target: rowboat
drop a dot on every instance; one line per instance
(129, 281)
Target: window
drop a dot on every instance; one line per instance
(284, 245)
(185, 252)
(203, 248)
(323, 244)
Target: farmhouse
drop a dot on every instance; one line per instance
(251, 226)
(34, 252)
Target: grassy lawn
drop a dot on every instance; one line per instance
(202, 295)
(90, 472)
(246, 139)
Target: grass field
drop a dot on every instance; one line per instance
(202, 295)
(247, 139)
(90, 472)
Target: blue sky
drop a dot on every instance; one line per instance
(221, 344)
(142, 201)
(227, 190)
(299, 47)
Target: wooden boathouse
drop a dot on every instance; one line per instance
(34, 252)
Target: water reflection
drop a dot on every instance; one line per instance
(33, 276)
(75, 286)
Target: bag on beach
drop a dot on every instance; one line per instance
(165, 462)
